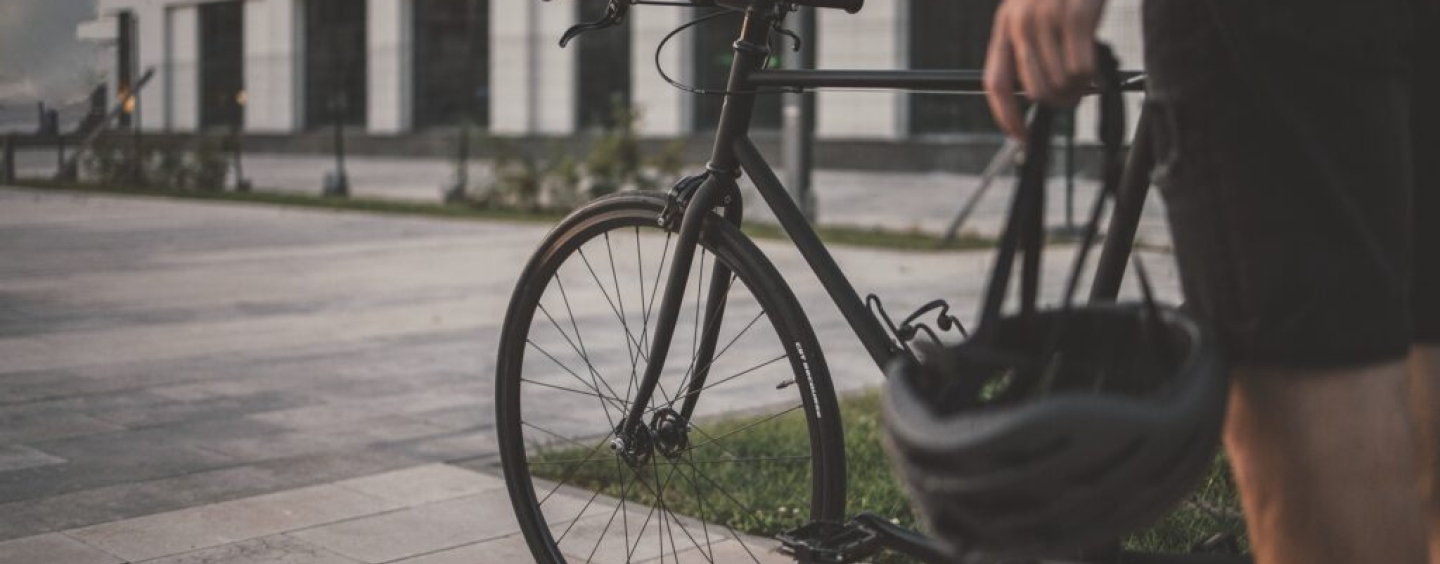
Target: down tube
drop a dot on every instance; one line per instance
(872, 335)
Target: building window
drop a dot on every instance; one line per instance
(452, 62)
(714, 50)
(335, 58)
(950, 35)
(222, 64)
(604, 79)
(125, 64)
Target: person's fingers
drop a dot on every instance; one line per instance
(1026, 30)
(1048, 30)
(1079, 37)
(1000, 80)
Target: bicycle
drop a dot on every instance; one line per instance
(641, 422)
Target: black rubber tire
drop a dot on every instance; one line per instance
(726, 243)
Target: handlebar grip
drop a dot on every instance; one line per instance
(851, 6)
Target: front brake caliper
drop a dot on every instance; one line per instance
(677, 200)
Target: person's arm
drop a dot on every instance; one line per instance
(1047, 46)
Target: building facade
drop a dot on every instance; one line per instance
(397, 66)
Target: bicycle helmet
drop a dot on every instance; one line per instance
(1049, 432)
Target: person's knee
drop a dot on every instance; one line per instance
(1326, 463)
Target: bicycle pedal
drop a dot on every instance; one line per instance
(824, 542)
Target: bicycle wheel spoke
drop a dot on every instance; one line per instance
(617, 311)
(571, 390)
(583, 509)
(594, 392)
(734, 376)
(594, 374)
(564, 380)
(743, 508)
(579, 351)
(644, 317)
(624, 511)
(630, 551)
(727, 346)
(704, 520)
(749, 426)
(664, 511)
(654, 290)
(625, 320)
(601, 538)
(714, 325)
(590, 454)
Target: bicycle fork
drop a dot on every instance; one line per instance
(714, 192)
(632, 440)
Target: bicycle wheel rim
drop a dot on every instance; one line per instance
(814, 398)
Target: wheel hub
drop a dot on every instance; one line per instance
(636, 448)
(672, 433)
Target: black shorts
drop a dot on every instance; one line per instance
(1298, 143)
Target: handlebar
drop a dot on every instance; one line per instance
(851, 6)
(616, 10)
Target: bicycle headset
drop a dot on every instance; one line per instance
(1048, 432)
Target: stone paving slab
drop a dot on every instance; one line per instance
(152, 536)
(418, 530)
(53, 547)
(432, 514)
(274, 549)
(424, 484)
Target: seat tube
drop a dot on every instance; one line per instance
(751, 52)
(1125, 219)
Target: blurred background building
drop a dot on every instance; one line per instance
(394, 67)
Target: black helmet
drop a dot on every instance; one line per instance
(1051, 432)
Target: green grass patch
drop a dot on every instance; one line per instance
(1211, 508)
(851, 236)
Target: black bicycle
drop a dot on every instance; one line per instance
(648, 334)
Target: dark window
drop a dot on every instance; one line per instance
(222, 63)
(335, 62)
(125, 63)
(949, 34)
(714, 50)
(604, 68)
(452, 62)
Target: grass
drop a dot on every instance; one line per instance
(1212, 508)
(839, 235)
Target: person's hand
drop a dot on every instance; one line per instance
(1049, 46)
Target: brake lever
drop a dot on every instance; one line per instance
(614, 14)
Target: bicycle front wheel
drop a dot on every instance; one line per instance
(761, 451)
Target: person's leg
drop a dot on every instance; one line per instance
(1325, 461)
(1291, 228)
(1425, 358)
(1425, 404)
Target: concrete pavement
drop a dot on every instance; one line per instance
(185, 382)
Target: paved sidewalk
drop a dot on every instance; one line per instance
(228, 383)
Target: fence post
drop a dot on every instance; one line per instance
(7, 160)
(66, 170)
(798, 136)
(59, 157)
(242, 184)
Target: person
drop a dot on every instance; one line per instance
(1297, 144)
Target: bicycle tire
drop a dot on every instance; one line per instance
(807, 374)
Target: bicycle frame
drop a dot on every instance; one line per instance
(734, 152)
